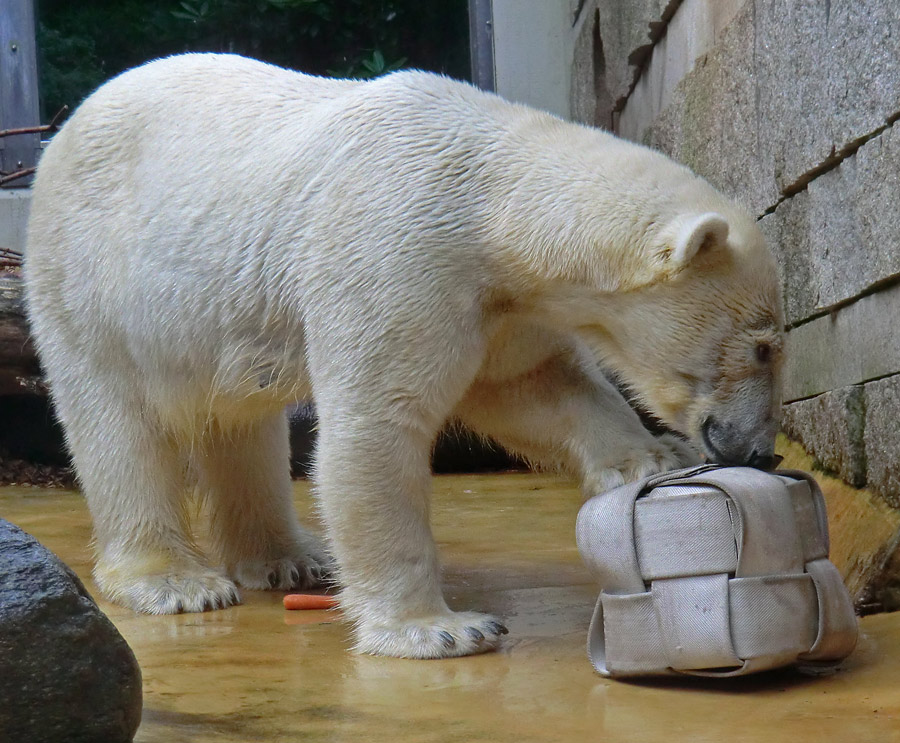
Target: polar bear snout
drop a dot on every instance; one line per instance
(730, 443)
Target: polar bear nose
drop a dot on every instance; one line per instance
(761, 461)
(726, 443)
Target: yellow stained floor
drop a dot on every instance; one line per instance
(257, 673)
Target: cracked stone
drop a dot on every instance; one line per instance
(882, 438)
(786, 87)
(830, 427)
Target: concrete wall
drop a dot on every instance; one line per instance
(549, 53)
(14, 207)
(533, 52)
(789, 106)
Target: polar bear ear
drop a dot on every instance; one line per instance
(695, 233)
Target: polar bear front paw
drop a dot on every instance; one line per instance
(686, 454)
(643, 460)
(440, 636)
(170, 593)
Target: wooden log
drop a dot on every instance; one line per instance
(20, 371)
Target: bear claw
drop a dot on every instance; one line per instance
(498, 629)
(441, 636)
(475, 634)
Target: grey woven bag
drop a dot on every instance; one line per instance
(714, 571)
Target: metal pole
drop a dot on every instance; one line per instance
(481, 43)
(18, 87)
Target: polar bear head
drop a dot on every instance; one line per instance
(695, 329)
(667, 281)
(704, 337)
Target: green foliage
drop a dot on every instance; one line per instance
(371, 67)
(70, 68)
(82, 44)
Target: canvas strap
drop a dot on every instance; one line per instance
(756, 591)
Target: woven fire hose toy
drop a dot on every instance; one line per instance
(714, 571)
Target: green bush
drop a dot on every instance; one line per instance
(82, 44)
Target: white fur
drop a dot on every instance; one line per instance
(213, 238)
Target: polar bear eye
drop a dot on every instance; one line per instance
(763, 353)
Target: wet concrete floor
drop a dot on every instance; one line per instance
(258, 673)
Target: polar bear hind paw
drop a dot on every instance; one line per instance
(441, 636)
(173, 593)
(282, 574)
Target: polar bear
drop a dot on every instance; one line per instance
(212, 238)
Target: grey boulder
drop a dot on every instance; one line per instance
(66, 674)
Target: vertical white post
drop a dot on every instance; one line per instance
(533, 52)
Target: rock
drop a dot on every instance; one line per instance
(830, 427)
(788, 90)
(882, 440)
(883, 593)
(590, 98)
(853, 433)
(30, 431)
(827, 76)
(690, 34)
(712, 121)
(32, 446)
(628, 32)
(859, 343)
(789, 232)
(837, 239)
(66, 674)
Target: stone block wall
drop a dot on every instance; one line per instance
(790, 107)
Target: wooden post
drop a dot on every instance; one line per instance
(18, 87)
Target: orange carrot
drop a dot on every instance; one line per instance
(309, 601)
